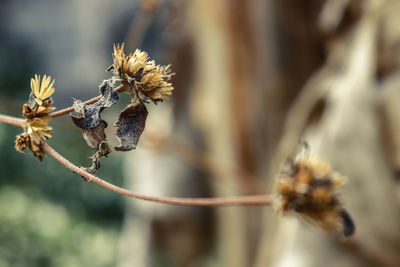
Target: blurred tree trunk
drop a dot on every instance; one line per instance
(245, 82)
(267, 74)
(346, 134)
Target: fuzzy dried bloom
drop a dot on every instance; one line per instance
(42, 90)
(308, 187)
(149, 79)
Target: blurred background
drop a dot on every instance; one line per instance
(252, 79)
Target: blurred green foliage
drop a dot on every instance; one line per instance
(37, 232)
(49, 215)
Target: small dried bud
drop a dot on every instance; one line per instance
(28, 111)
(38, 152)
(22, 142)
(308, 188)
(45, 108)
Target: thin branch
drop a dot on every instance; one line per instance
(221, 201)
(12, 120)
(65, 111)
(201, 160)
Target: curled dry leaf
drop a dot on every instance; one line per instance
(87, 117)
(95, 136)
(130, 126)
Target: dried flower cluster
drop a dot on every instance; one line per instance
(144, 81)
(36, 111)
(143, 78)
(308, 188)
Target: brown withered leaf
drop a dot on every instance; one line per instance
(130, 126)
(95, 136)
(88, 116)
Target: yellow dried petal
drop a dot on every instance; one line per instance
(38, 128)
(43, 90)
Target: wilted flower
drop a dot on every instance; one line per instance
(35, 130)
(43, 90)
(308, 188)
(150, 80)
(37, 113)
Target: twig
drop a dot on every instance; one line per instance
(201, 160)
(222, 201)
(65, 111)
(12, 120)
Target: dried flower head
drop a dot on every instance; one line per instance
(146, 79)
(37, 112)
(42, 90)
(35, 130)
(308, 188)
